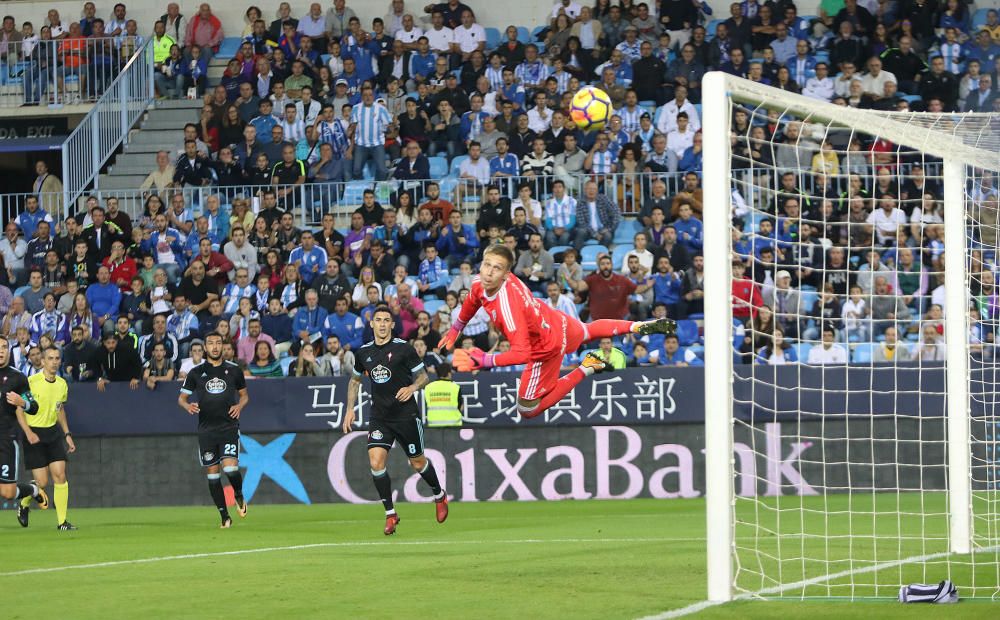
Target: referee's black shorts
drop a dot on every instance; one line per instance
(50, 448)
(407, 432)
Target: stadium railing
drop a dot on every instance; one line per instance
(62, 72)
(312, 200)
(107, 126)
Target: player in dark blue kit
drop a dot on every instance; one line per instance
(396, 373)
(221, 394)
(14, 395)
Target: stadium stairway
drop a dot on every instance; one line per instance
(161, 128)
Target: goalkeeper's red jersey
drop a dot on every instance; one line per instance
(536, 331)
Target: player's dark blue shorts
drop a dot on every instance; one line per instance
(9, 450)
(214, 446)
(407, 432)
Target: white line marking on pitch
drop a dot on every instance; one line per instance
(198, 556)
(703, 605)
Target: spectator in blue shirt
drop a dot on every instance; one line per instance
(28, 220)
(666, 287)
(164, 244)
(511, 91)
(308, 257)
(433, 277)
(104, 298)
(674, 354)
(458, 241)
(505, 164)
(689, 229)
(391, 234)
(471, 124)
(309, 321)
(265, 121)
(345, 325)
(421, 62)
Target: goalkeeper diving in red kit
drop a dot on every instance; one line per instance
(539, 335)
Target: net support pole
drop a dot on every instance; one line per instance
(718, 337)
(957, 357)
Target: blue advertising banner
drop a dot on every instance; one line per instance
(635, 396)
(632, 396)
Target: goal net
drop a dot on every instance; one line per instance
(850, 261)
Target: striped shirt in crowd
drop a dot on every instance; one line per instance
(370, 124)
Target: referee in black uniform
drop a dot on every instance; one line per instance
(396, 373)
(221, 394)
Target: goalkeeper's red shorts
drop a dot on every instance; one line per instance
(540, 376)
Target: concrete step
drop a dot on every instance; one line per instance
(176, 115)
(131, 181)
(138, 159)
(151, 148)
(215, 74)
(156, 123)
(176, 104)
(158, 136)
(127, 166)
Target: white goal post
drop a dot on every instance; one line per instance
(942, 519)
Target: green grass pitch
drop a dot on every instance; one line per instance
(594, 559)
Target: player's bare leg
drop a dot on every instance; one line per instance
(231, 467)
(380, 476)
(214, 475)
(425, 468)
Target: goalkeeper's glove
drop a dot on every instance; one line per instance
(448, 342)
(467, 360)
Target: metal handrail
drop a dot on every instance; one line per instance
(107, 126)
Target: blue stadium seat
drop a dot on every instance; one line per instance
(618, 254)
(455, 163)
(979, 18)
(492, 38)
(625, 233)
(286, 364)
(541, 47)
(447, 185)
(325, 58)
(523, 35)
(862, 353)
(432, 306)
(589, 254)
(537, 31)
(557, 252)
(354, 192)
(808, 300)
(229, 47)
(711, 27)
(687, 332)
(802, 351)
(439, 167)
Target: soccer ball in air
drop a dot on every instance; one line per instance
(591, 109)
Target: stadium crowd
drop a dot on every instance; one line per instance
(838, 239)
